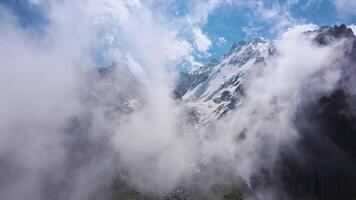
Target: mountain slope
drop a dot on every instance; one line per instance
(215, 88)
(321, 164)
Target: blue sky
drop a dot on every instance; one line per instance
(226, 22)
(28, 15)
(231, 22)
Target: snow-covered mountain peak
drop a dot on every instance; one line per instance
(215, 87)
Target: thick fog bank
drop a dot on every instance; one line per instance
(69, 130)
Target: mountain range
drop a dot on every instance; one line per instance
(320, 164)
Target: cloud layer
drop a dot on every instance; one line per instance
(66, 131)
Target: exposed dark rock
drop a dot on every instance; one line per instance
(323, 163)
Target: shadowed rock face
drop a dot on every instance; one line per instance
(323, 163)
(326, 34)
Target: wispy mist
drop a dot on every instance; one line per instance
(69, 128)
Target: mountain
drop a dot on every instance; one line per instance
(114, 88)
(321, 165)
(215, 88)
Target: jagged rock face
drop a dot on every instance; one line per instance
(215, 88)
(326, 34)
(324, 165)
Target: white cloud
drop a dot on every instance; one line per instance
(273, 93)
(251, 31)
(221, 41)
(201, 10)
(201, 41)
(45, 89)
(50, 133)
(135, 68)
(37, 1)
(196, 18)
(346, 7)
(277, 15)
